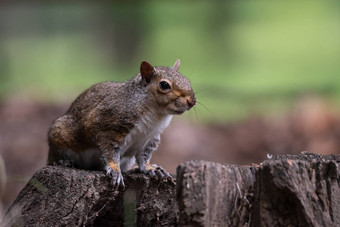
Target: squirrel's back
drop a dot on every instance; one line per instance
(116, 96)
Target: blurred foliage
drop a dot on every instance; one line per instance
(243, 57)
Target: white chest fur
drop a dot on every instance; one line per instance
(147, 128)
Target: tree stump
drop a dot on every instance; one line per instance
(298, 190)
(59, 196)
(212, 194)
(286, 190)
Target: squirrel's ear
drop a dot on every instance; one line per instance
(147, 71)
(176, 65)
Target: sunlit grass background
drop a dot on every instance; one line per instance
(243, 57)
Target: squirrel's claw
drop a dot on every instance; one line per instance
(117, 179)
(158, 171)
(153, 171)
(162, 173)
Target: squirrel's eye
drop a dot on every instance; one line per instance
(164, 85)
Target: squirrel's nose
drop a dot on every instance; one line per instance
(191, 102)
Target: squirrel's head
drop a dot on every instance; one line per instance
(171, 90)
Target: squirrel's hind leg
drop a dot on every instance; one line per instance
(61, 137)
(57, 157)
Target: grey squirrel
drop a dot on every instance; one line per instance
(112, 125)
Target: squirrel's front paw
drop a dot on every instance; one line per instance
(116, 176)
(157, 171)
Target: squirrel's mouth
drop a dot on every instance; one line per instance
(178, 112)
(183, 104)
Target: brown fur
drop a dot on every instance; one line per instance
(103, 115)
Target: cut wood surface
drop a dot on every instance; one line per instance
(286, 190)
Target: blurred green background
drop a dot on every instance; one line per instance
(266, 74)
(243, 57)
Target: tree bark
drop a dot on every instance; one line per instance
(212, 194)
(298, 190)
(286, 190)
(59, 196)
